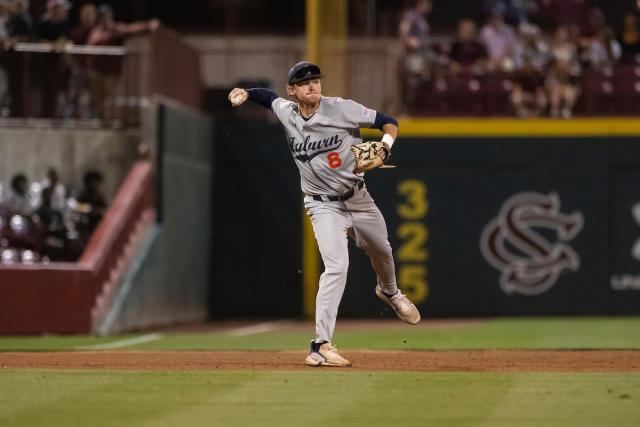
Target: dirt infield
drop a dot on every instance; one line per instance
(363, 360)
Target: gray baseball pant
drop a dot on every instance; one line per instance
(360, 219)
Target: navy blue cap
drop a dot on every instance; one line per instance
(304, 71)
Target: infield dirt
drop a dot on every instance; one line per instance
(363, 360)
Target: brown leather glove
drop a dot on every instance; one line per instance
(368, 155)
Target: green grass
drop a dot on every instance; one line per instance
(507, 333)
(321, 397)
(316, 398)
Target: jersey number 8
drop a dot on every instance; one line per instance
(334, 160)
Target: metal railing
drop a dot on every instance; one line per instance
(97, 85)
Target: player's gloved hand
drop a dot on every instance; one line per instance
(385, 153)
(238, 96)
(370, 155)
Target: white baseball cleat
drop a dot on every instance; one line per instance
(325, 355)
(401, 305)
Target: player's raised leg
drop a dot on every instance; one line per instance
(370, 234)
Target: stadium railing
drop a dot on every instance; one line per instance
(157, 63)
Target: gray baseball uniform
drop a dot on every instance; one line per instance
(321, 148)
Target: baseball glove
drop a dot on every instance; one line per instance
(367, 155)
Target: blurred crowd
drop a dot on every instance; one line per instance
(68, 86)
(47, 221)
(574, 54)
(524, 57)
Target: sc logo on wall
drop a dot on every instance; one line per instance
(530, 263)
(635, 212)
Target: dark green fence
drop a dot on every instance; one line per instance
(479, 226)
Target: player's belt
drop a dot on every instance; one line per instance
(340, 198)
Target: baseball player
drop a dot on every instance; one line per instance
(323, 136)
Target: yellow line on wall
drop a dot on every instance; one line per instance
(310, 255)
(450, 127)
(312, 31)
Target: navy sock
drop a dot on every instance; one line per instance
(316, 345)
(389, 295)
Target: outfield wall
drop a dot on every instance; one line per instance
(497, 224)
(256, 263)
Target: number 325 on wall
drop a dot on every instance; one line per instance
(412, 254)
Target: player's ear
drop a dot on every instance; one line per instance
(290, 90)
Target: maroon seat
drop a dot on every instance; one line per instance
(431, 97)
(598, 92)
(627, 94)
(627, 71)
(630, 59)
(496, 94)
(418, 99)
(466, 94)
(440, 93)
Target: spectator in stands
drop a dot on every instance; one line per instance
(533, 47)
(57, 189)
(104, 71)
(592, 28)
(78, 98)
(4, 81)
(501, 43)
(414, 36)
(92, 200)
(17, 201)
(20, 25)
(88, 16)
(604, 51)
(528, 96)
(54, 26)
(50, 223)
(20, 29)
(49, 216)
(53, 68)
(562, 48)
(562, 75)
(629, 38)
(467, 53)
(4, 20)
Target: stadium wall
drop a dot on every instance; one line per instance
(169, 278)
(483, 220)
(227, 60)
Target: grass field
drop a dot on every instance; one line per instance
(337, 397)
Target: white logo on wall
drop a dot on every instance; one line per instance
(629, 282)
(635, 250)
(529, 263)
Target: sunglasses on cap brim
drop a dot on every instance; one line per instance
(305, 73)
